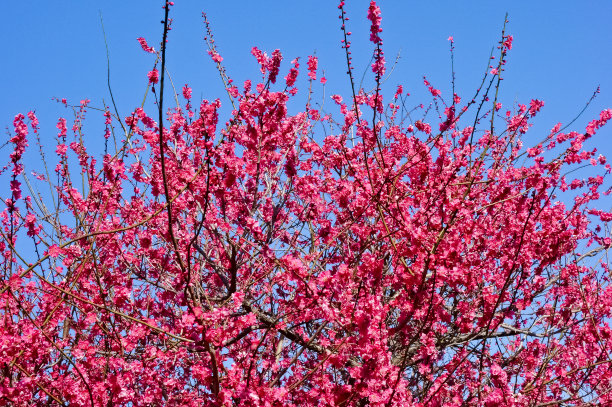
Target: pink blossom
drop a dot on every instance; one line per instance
(261, 57)
(19, 141)
(16, 189)
(508, 42)
(398, 91)
(434, 92)
(54, 251)
(378, 67)
(535, 106)
(374, 15)
(274, 65)
(424, 127)
(216, 57)
(313, 62)
(153, 76)
(293, 73)
(145, 46)
(186, 92)
(30, 222)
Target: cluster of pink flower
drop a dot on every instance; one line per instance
(385, 264)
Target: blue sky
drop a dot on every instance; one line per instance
(561, 50)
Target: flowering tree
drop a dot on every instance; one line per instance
(393, 262)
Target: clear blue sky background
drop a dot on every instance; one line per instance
(561, 53)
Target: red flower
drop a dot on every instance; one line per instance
(145, 46)
(153, 76)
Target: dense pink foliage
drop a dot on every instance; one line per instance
(435, 262)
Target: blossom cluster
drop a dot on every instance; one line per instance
(254, 261)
